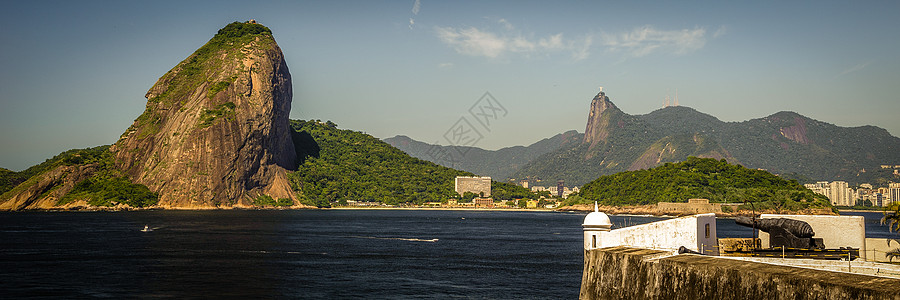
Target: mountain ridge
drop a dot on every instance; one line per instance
(784, 142)
(497, 164)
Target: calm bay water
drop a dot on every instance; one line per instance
(321, 254)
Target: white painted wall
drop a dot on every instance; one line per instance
(689, 231)
(835, 231)
(876, 249)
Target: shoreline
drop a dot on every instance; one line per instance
(637, 210)
(862, 210)
(652, 210)
(123, 209)
(437, 208)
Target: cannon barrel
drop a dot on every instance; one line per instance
(796, 227)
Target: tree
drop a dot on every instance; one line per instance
(894, 252)
(892, 216)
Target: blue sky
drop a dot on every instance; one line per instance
(74, 73)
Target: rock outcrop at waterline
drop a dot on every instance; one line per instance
(216, 132)
(45, 191)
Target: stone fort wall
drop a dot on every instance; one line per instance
(634, 273)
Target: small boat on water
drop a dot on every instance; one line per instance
(146, 228)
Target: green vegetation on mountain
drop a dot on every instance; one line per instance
(507, 191)
(66, 158)
(105, 187)
(782, 143)
(712, 179)
(208, 116)
(196, 69)
(266, 201)
(341, 165)
(109, 190)
(9, 179)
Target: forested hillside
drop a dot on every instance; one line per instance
(99, 182)
(712, 179)
(340, 165)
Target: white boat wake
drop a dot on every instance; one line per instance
(396, 238)
(147, 228)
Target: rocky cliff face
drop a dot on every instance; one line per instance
(599, 118)
(216, 131)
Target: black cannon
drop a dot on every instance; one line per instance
(785, 232)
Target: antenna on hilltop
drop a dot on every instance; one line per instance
(676, 97)
(666, 103)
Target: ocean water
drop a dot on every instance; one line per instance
(310, 254)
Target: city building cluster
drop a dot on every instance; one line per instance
(841, 194)
(554, 190)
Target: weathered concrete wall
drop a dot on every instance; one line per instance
(835, 231)
(697, 232)
(856, 266)
(694, 206)
(631, 273)
(876, 249)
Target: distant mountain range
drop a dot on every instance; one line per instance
(498, 164)
(785, 143)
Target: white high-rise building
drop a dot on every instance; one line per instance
(820, 187)
(839, 193)
(893, 192)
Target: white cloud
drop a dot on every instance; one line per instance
(552, 42)
(445, 65)
(856, 68)
(411, 22)
(416, 6)
(720, 32)
(583, 51)
(520, 44)
(646, 40)
(471, 41)
(477, 42)
(638, 42)
(506, 24)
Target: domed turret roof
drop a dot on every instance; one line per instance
(596, 220)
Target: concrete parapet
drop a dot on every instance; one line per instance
(693, 206)
(877, 249)
(634, 273)
(855, 267)
(835, 231)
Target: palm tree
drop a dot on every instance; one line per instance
(891, 254)
(892, 216)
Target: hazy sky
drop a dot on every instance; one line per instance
(73, 74)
